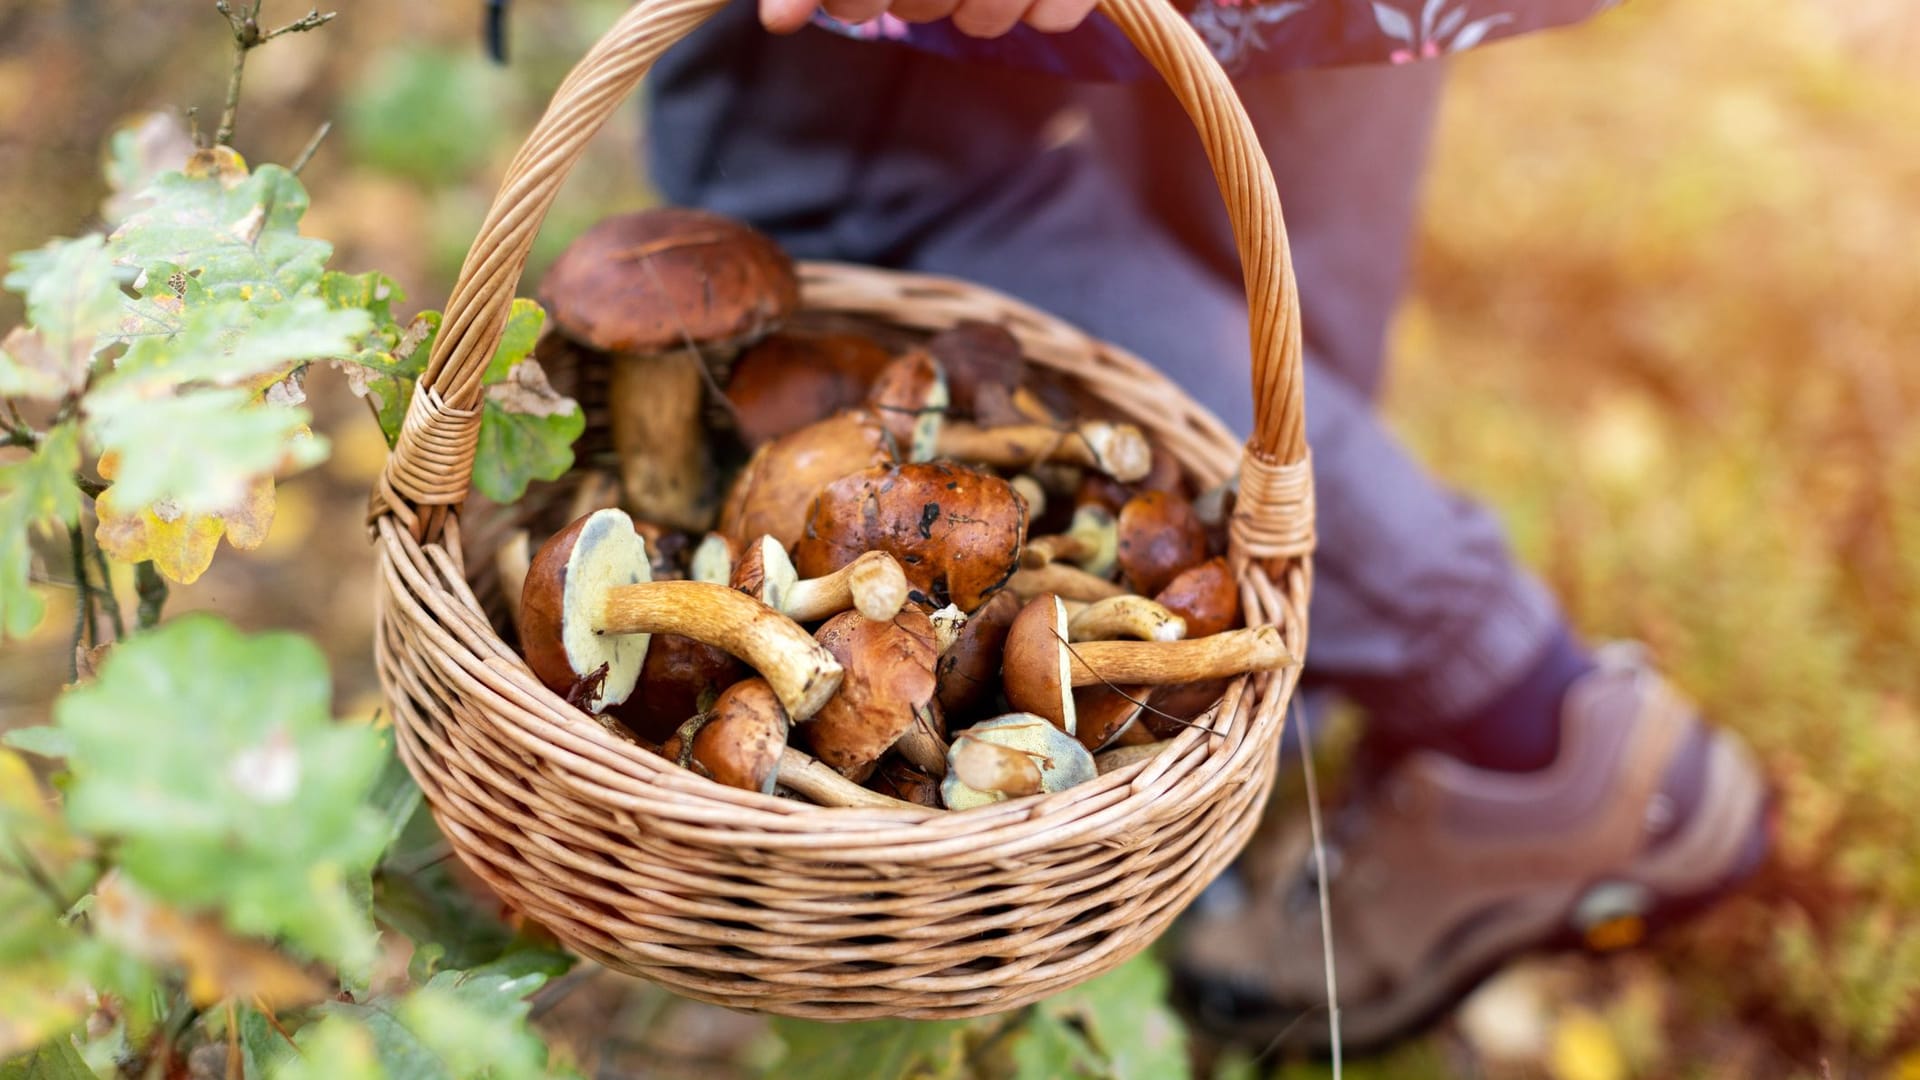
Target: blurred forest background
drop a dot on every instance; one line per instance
(1665, 317)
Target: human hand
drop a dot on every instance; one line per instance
(975, 18)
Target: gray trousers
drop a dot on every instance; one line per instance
(1095, 203)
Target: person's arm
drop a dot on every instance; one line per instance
(978, 18)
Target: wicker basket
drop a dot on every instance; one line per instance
(764, 903)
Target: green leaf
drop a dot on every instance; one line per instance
(198, 451)
(230, 343)
(73, 297)
(372, 292)
(240, 238)
(518, 448)
(264, 1049)
(210, 758)
(337, 1048)
(57, 1060)
(929, 1049)
(524, 321)
(460, 1024)
(44, 740)
(391, 357)
(35, 494)
(138, 153)
(1046, 1048)
(1125, 1017)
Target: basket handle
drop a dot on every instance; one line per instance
(432, 462)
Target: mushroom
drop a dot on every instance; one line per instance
(663, 546)
(679, 678)
(589, 606)
(1125, 617)
(910, 398)
(906, 783)
(664, 291)
(1041, 668)
(1206, 596)
(970, 668)
(1091, 543)
(714, 558)
(987, 374)
(742, 743)
(1122, 756)
(1068, 581)
(776, 488)
(1159, 536)
(1032, 492)
(1060, 761)
(511, 562)
(948, 624)
(1119, 450)
(872, 583)
(956, 531)
(793, 379)
(886, 700)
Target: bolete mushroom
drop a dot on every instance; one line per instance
(910, 398)
(1119, 450)
(664, 291)
(742, 743)
(970, 667)
(1070, 582)
(906, 783)
(1091, 542)
(873, 584)
(956, 531)
(1125, 617)
(679, 679)
(774, 491)
(794, 379)
(1041, 667)
(886, 700)
(1060, 761)
(590, 605)
(1159, 536)
(1206, 596)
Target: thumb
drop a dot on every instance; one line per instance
(786, 16)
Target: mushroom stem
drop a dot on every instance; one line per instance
(1120, 757)
(803, 675)
(1125, 617)
(822, 785)
(992, 767)
(665, 471)
(1162, 663)
(873, 583)
(512, 561)
(1032, 492)
(1119, 450)
(1091, 541)
(1067, 582)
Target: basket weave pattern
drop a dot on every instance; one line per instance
(772, 904)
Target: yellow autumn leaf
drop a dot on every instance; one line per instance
(218, 964)
(180, 545)
(1583, 1049)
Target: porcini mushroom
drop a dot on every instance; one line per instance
(590, 604)
(664, 292)
(1125, 617)
(1061, 761)
(1091, 542)
(873, 583)
(1119, 450)
(885, 701)
(970, 667)
(910, 398)
(1070, 582)
(776, 488)
(793, 379)
(955, 531)
(1159, 536)
(1206, 596)
(679, 678)
(1041, 667)
(742, 743)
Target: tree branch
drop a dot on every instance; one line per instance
(152, 589)
(247, 36)
(109, 600)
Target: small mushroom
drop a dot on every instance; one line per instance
(742, 743)
(873, 584)
(1032, 492)
(977, 354)
(886, 700)
(948, 624)
(1091, 543)
(1159, 536)
(955, 531)
(776, 488)
(1061, 761)
(1119, 450)
(1206, 596)
(910, 398)
(714, 558)
(589, 606)
(906, 783)
(1041, 667)
(794, 379)
(679, 678)
(970, 667)
(1070, 582)
(1125, 617)
(664, 292)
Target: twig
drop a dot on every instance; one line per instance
(236, 1066)
(1320, 877)
(84, 627)
(38, 875)
(109, 600)
(313, 147)
(247, 36)
(152, 589)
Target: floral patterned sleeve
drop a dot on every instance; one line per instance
(1253, 36)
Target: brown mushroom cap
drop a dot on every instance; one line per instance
(910, 398)
(977, 354)
(678, 674)
(1159, 537)
(741, 742)
(970, 670)
(1206, 596)
(657, 280)
(888, 689)
(793, 379)
(773, 493)
(956, 531)
(1036, 666)
(1101, 714)
(1174, 708)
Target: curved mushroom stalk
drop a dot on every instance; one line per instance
(886, 699)
(1062, 580)
(1091, 542)
(873, 584)
(742, 743)
(589, 606)
(1060, 761)
(1041, 666)
(1119, 450)
(1125, 617)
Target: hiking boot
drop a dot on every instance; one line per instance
(1440, 872)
